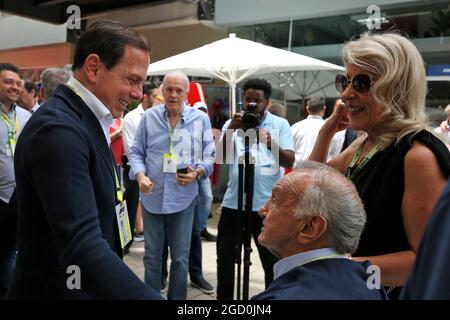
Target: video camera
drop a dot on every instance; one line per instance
(251, 119)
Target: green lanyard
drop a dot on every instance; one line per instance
(118, 188)
(13, 128)
(172, 134)
(363, 163)
(119, 193)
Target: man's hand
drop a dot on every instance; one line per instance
(145, 184)
(184, 179)
(236, 121)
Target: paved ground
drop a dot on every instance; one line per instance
(256, 285)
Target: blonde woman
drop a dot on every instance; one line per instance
(398, 166)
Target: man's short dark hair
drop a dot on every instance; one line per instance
(29, 85)
(148, 86)
(8, 67)
(259, 84)
(107, 39)
(316, 104)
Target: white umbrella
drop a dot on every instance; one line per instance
(233, 59)
(302, 84)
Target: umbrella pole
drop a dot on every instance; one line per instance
(233, 99)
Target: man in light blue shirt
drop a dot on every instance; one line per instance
(173, 148)
(275, 148)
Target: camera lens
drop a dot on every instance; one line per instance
(251, 105)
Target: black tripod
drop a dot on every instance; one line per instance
(246, 166)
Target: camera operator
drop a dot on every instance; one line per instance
(275, 146)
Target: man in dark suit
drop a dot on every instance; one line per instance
(430, 278)
(69, 239)
(312, 223)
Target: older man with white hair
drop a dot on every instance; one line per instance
(312, 222)
(172, 150)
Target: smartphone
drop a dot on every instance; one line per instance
(182, 170)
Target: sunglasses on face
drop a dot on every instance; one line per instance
(361, 83)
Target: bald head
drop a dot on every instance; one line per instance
(175, 88)
(179, 76)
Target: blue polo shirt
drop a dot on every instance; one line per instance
(267, 170)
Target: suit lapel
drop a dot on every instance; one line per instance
(91, 123)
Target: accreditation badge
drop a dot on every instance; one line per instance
(123, 223)
(170, 163)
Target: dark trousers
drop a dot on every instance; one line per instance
(131, 196)
(8, 243)
(195, 253)
(226, 252)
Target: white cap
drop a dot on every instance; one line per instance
(200, 106)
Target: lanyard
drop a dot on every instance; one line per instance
(13, 127)
(172, 133)
(118, 188)
(363, 163)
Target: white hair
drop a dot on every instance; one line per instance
(177, 74)
(332, 196)
(52, 77)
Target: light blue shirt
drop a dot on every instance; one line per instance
(193, 144)
(291, 262)
(7, 177)
(100, 111)
(267, 169)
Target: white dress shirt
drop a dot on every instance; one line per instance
(34, 109)
(305, 134)
(130, 125)
(100, 111)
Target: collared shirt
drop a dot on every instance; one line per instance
(305, 134)
(267, 170)
(193, 144)
(34, 109)
(291, 262)
(100, 111)
(130, 125)
(443, 134)
(7, 177)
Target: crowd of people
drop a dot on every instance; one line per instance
(82, 178)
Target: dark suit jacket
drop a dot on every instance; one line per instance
(430, 278)
(66, 208)
(328, 279)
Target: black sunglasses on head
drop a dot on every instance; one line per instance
(361, 83)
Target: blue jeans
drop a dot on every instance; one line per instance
(177, 228)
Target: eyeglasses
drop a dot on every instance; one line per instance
(361, 83)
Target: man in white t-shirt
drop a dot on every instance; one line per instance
(305, 132)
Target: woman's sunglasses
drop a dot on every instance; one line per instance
(361, 83)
